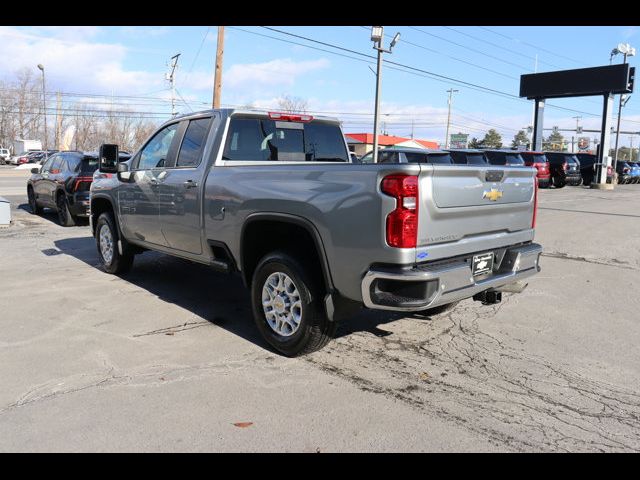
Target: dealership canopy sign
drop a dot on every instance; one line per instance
(458, 140)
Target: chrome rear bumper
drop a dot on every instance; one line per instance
(428, 286)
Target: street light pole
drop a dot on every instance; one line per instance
(44, 105)
(446, 139)
(376, 112)
(377, 37)
(626, 50)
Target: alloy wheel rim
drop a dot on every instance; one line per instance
(106, 244)
(281, 304)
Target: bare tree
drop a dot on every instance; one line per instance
(289, 104)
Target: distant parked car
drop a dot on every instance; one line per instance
(623, 169)
(634, 174)
(509, 158)
(468, 156)
(4, 156)
(564, 168)
(540, 162)
(63, 184)
(409, 155)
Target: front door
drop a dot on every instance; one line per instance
(181, 188)
(139, 197)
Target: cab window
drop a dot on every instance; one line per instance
(155, 152)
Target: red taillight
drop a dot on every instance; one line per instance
(625, 170)
(402, 223)
(535, 206)
(80, 180)
(565, 166)
(288, 117)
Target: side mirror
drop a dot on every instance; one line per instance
(123, 172)
(108, 158)
(35, 170)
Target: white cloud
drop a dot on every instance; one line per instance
(283, 71)
(72, 62)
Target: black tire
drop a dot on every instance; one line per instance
(33, 204)
(314, 330)
(559, 182)
(64, 215)
(118, 263)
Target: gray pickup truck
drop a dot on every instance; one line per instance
(276, 198)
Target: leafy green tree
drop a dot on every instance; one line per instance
(492, 139)
(520, 138)
(555, 141)
(475, 143)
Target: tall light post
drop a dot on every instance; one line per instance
(44, 105)
(628, 51)
(377, 37)
(451, 91)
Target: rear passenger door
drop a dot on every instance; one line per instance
(181, 187)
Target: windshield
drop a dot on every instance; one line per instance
(263, 139)
(572, 160)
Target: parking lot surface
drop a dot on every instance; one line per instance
(166, 358)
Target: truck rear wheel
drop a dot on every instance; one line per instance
(107, 244)
(288, 308)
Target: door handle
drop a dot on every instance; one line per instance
(190, 184)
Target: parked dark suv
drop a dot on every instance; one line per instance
(468, 156)
(565, 168)
(509, 158)
(409, 155)
(63, 184)
(588, 168)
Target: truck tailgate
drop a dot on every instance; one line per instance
(460, 203)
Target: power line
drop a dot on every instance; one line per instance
(470, 48)
(533, 46)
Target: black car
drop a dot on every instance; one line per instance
(63, 184)
(409, 155)
(509, 158)
(564, 168)
(623, 169)
(588, 170)
(468, 156)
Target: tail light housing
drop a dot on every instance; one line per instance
(565, 166)
(625, 169)
(535, 206)
(84, 182)
(609, 170)
(402, 223)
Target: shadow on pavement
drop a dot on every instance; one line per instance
(218, 298)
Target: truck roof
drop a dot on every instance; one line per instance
(243, 111)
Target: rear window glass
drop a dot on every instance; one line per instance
(89, 164)
(261, 139)
(433, 158)
(476, 159)
(514, 159)
(539, 159)
(572, 159)
(191, 149)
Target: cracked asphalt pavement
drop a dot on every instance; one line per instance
(167, 357)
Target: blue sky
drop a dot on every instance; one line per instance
(132, 61)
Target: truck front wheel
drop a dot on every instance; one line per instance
(107, 244)
(288, 307)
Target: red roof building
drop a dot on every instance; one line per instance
(361, 143)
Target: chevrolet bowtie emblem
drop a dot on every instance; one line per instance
(492, 194)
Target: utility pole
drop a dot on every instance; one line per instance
(626, 50)
(217, 82)
(377, 37)
(451, 91)
(58, 121)
(170, 77)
